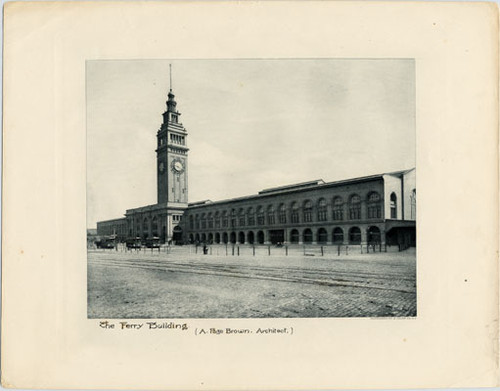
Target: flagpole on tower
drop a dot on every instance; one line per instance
(170, 66)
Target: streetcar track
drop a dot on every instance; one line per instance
(273, 269)
(218, 266)
(336, 273)
(239, 274)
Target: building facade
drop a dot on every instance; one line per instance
(377, 209)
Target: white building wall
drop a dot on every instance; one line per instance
(409, 184)
(392, 184)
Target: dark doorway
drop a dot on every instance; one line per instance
(277, 236)
(308, 236)
(177, 234)
(322, 236)
(355, 235)
(373, 235)
(338, 236)
(401, 236)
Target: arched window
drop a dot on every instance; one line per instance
(197, 222)
(241, 217)
(250, 216)
(224, 220)
(307, 211)
(295, 213)
(394, 206)
(322, 210)
(270, 215)
(217, 220)
(355, 207)
(138, 228)
(374, 206)
(338, 209)
(260, 216)
(203, 221)
(154, 227)
(413, 199)
(294, 236)
(145, 228)
(233, 219)
(282, 214)
(191, 222)
(210, 220)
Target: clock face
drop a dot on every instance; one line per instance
(177, 166)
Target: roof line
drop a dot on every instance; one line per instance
(293, 188)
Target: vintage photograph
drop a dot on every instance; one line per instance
(223, 195)
(257, 188)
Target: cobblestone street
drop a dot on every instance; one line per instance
(184, 284)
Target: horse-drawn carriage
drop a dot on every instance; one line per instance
(106, 242)
(134, 243)
(153, 242)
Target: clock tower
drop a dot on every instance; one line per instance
(172, 158)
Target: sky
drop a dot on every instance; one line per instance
(252, 124)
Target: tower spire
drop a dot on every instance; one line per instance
(171, 103)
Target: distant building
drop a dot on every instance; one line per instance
(374, 209)
(116, 227)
